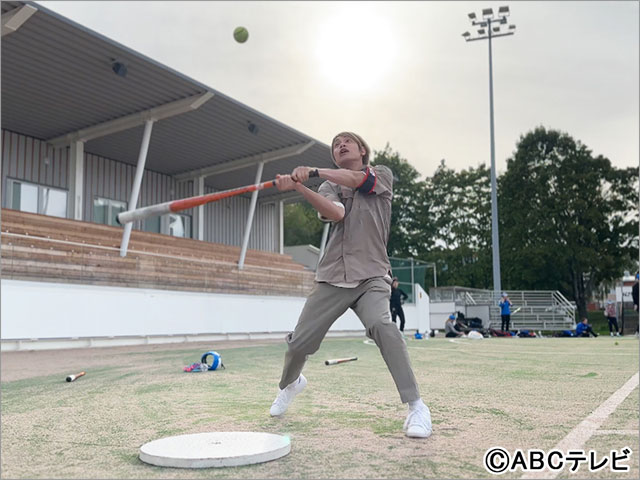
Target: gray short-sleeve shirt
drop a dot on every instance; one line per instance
(357, 245)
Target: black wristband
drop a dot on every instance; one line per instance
(314, 173)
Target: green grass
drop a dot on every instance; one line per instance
(516, 393)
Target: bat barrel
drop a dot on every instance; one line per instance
(142, 213)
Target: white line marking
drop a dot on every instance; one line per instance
(577, 437)
(618, 432)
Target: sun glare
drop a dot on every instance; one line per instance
(355, 49)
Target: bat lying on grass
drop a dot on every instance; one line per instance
(336, 361)
(71, 378)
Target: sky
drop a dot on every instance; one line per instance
(400, 73)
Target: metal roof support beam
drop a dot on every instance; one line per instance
(134, 120)
(252, 209)
(76, 178)
(248, 161)
(14, 19)
(137, 181)
(281, 227)
(323, 242)
(199, 220)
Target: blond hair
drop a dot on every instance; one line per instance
(359, 140)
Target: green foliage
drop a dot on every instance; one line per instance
(460, 208)
(410, 225)
(565, 219)
(302, 225)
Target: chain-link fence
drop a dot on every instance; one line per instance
(410, 271)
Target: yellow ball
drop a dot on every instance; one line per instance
(241, 34)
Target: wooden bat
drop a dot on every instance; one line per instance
(336, 361)
(71, 378)
(516, 310)
(186, 203)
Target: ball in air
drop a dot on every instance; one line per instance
(241, 34)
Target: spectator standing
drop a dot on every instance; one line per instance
(610, 313)
(396, 300)
(505, 312)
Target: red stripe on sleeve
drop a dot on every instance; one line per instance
(375, 181)
(366, 175)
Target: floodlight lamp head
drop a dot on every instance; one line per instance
(481, 31)
(472, 16)
(512, 27)
(487, 12)
(119, 69)
(503, 11)
(466, 35)
(253, 128)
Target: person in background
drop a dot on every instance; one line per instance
(450, 327)
(583, 329)
(396, 300)
(610, 313)
(505, 312)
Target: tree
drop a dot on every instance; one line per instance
(410, 228)
(565, 220)
(302, 225)
(459, 206)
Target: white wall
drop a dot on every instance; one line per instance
(45, 311)
(440, 311)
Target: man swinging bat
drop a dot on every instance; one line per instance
(354, 272)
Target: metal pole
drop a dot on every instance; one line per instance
(413, 288)
(252, 209)
(323, 242)
(137, 181)
(497, 284)
(435, 277)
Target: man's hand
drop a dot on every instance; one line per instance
(301, 174)
(284, 183)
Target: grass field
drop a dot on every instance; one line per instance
(509, 392)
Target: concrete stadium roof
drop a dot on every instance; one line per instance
(59, 84)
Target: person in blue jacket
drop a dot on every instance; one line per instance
(505, 312)
(583, 329)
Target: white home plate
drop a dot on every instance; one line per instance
(215, 449)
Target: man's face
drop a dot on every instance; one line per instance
(347, 152)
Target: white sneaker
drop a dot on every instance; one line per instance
(418, 423)
(611, 333)
(286, 396)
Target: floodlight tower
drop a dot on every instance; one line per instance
(489, 27)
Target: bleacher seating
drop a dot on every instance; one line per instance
(46, 248)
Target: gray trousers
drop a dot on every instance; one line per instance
(370, 302)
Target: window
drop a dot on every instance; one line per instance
(152, 224)
(105, 210)
(179, 225)
(30, 197)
